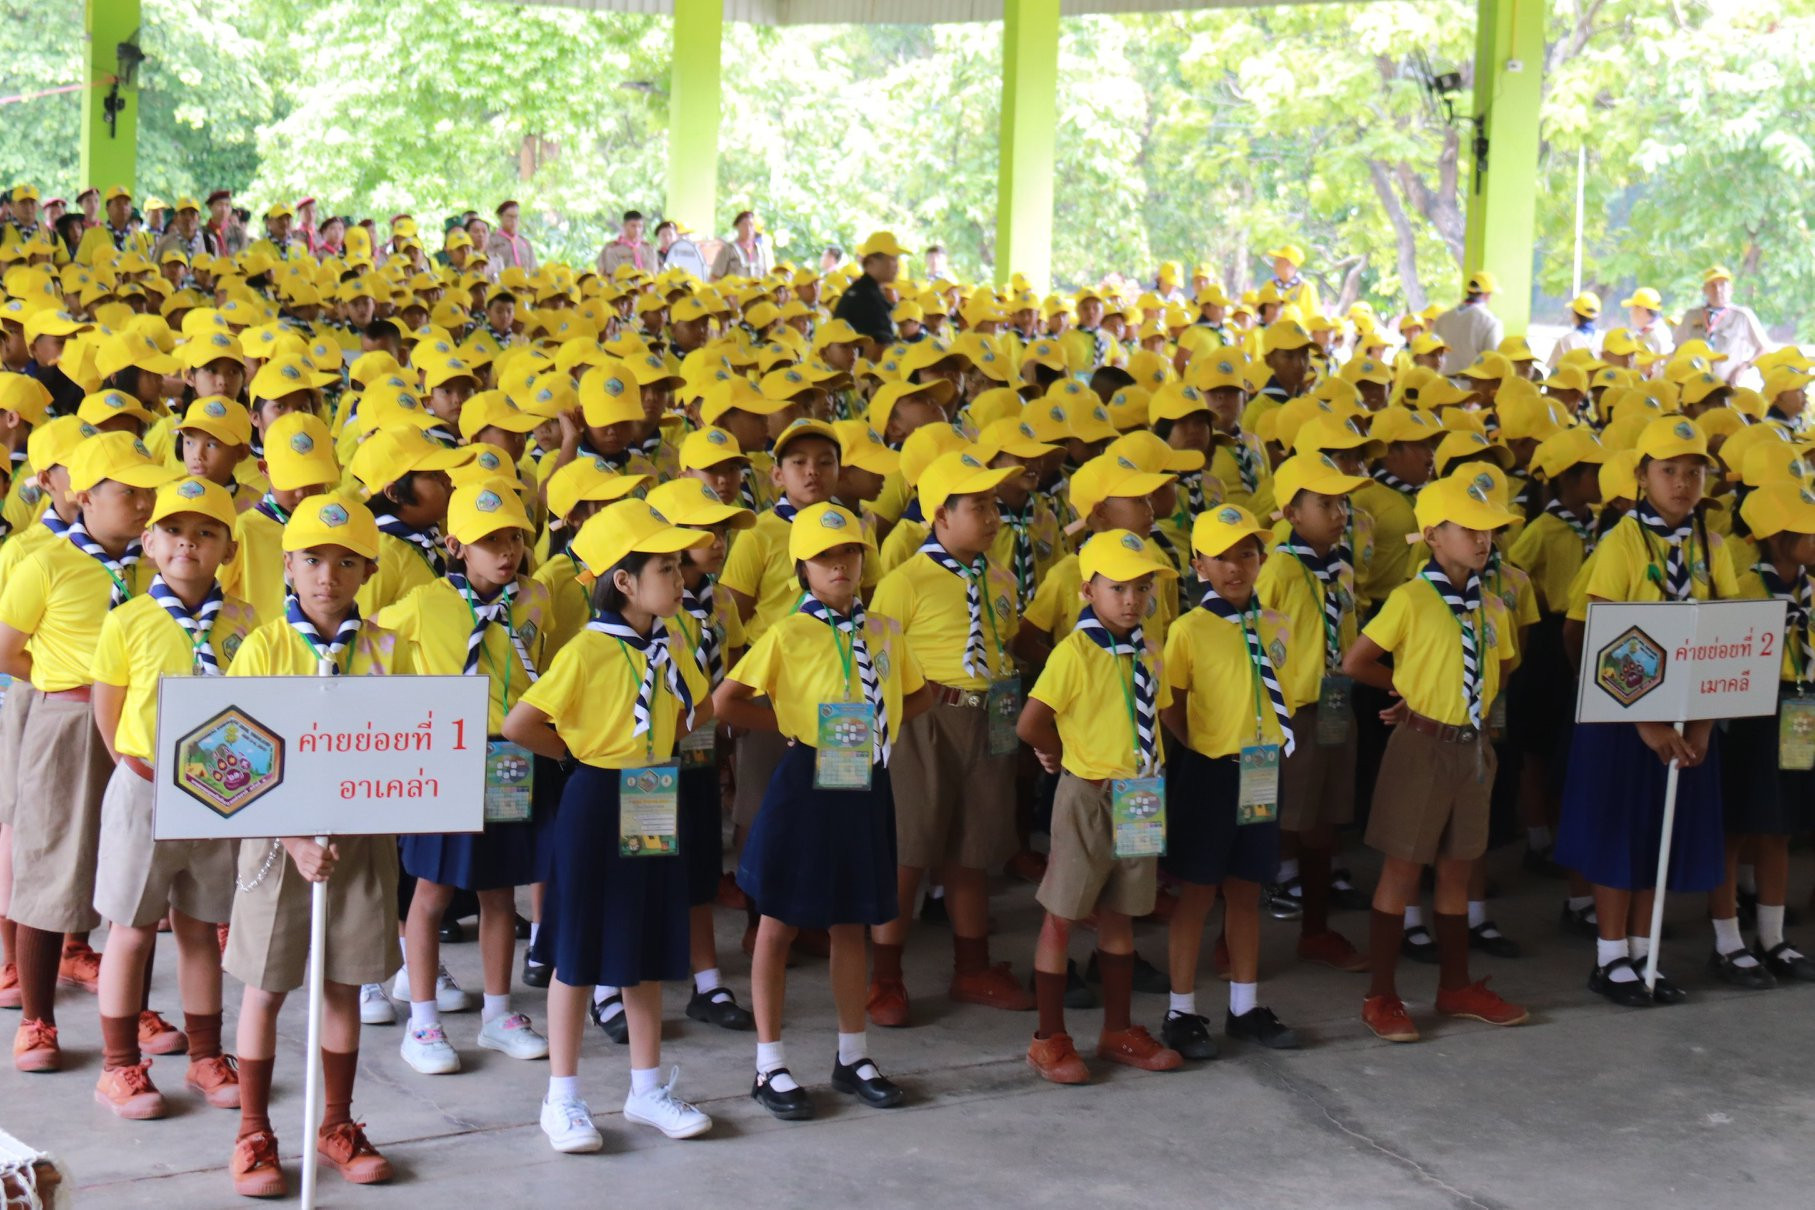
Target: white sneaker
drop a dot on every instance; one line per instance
(568, 1125)
(429, 1052)
(449, 997)
(375, 1008)
(512, 1035)
(659, 1107)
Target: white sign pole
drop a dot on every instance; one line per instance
(1663, 873)
(318, 979)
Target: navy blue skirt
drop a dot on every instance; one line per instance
(1759, 798)
(1204, 844)
(609, 919)
(503, 855)
(815, 858)
(1613, 813)
(701, 833)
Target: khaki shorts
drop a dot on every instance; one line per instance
(1432, 798)
(754, 762)
(1316, 784)
(1083, 874)
(57, 818)
(954, 802)
(268, 945)
(138, 879)
(19, 696)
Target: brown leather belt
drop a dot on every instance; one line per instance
(970, 699)
(81, 693)
(138, 766)
(1447, 733)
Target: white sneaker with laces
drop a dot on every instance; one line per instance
(429, 1051)
(568, 1125)
(375, 1008)
(449, 997)
(513, 1035)
(659, 1107)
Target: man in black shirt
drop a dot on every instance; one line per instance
(863, 305)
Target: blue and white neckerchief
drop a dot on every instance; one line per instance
(1464, 605)
(785, 508)
(1331, 572)
(1796, 618)
(1146, 690)
(659, 667)
(708, 653)
(1677, 585)
(1586, 327)
(117, 569)
(197, 624)
(426, 541)
(1020, 524)
(1193, 483)
(327, 652)
(1580, 528)
(486, 614)
(1387, 478)
(441, 436)
(852, 627)
(976, 656)
(1247, 461)
(269, 506)
(1249, 621)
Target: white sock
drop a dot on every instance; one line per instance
(563, 1088)
(1770, 926)
(1477, 913)
(602, 993)
(495, 1007)
(535, 930)
(705, 981)
(1639, 948)
(1612, 951)
(1538, 839)
(644, 1080)
(424, 1013)
(1241, 997)
(1184, 1004)
(937, 892)
(1414, 918)
(1578, 902)
(1727, 940)
(771, 1057)
(1747, 878)
(1288, 869)
(853, 1047)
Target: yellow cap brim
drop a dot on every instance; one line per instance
(218, 431)
(1123, 565)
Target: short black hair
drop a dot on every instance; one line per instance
(932, 248)
(835, 250)
(501, 298)
(403, 490)
(742, 215)
(633, 216)
(605, 595)
(382, 329)
(1110, 379)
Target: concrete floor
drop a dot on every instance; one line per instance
(1587, 1105)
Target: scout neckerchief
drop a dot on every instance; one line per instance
(1247, 462)
(1676, 582)
(976, 656)
(658, 666)
(269, 506)
(851, 629)
(651, 446)
(785, 508)
(426, 541)
(486, 614)
(1020, 523)
(118, 235)
(326, 652)
(1146, 692)
(1466, 606)
(1193, 483)
(1796, 618)
(707, 653)
(1389, 479)
(117, 569)
(441, 436)
(1580, 528)
(1327, 571)
(197, 624)
(1249, 621)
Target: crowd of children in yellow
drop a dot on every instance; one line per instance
(896, 573)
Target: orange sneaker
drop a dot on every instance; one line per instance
(1478, 1003)
(888, 1003)
(1332, 949)
(159, 1037)
(1135, 1047)
(217, 1079)
(80, 967)
(345, 1146)
(254, 1168)
(129, 1092)
(995, 987)
(1056, 1059)
(1026, 865)
(10, 996)
(1386, 1016)
(35, 1047)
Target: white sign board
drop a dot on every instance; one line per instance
(1673, 661)
(264, 756)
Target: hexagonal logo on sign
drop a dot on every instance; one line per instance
(1630, 667)
(229, 762)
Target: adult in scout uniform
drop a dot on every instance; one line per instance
(1731, 330)
(1471, 328)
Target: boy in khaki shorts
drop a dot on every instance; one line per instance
(1093, 718)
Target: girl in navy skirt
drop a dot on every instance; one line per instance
(612, 706)
(821, 853)
(1613, 798)
(482, 619)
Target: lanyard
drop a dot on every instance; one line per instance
(1332, 637)
(846, 647)
(636, 687)
(467, 598)
(197, 642)
(321, 653)
(1127, 688)
(1250, 619)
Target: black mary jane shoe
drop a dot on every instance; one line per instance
(522, 927)
(617, 1025)
(1629, 993)
(1665, 992)
(877, 1091)
(1488, 938)
(1418, 945)
(719, 1007)
(1786, 964)
(791, 1106)
(1726, 968)
(536, 974)
(1579, 922)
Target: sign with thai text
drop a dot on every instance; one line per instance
(1673, 661)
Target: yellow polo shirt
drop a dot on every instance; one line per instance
(929, 602)
(435, 621)
(1629, 565)
(590, 695)
(402, 568)
(141, 642)
(759, 567)
(276, 649)
(255, 574)
(1391, 564)
(1549, 551)
(1096, 730)
(1425, 640)
(1287, 587)
(58, 596)
(570, 605)
(797, 665)
(1207, 660)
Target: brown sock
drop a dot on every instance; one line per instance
(38, 953)
(120, 1042)
(7, 945)
(885, 962)
(1314, 880)
(1385, 931)
(970, 955)
(1118, 990)
(204, 1030)
(255, 1095)
(1049, 995)
(337, 1071)
(1451, 933)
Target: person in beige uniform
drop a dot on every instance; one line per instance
(1471, 328)
(509, 248)
(1727, 328)
(1645, 317)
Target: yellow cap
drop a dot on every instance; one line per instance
(1112, 475)
(627, 527)
(1217, 529)
(881, 243)
(1777, 508)
(1325, 431)
(494, 409)
(55, 441)
(1483, 282)
(25, 395)
(478, 509)
(804, 427)
(192, 495)
(1768, 462)
(1312, 472)
(928, 442)
(1780, 379)
(332, 519)
(708, 447)
(1566, 448)
(586, 479)
(51, 322)
(1011, 436)
(393, 452)
(890, 395)
(224, 419)
(117, 456)
(1717, 273)
(285, 376)
(1489, 366)
(1284, 335)
(861, 446)
(1588, 303)
(103, 406)
(693, 503)
(1698, 387)
(1400, 424)
(820, 527)
(1457, 446)
(1673, 437)
(1151, 453)
(1176, 400)
(1462, 499)
(1119, 555)
(1645, 297)
(1287, 252)
(1619, 476)
(206, 348)
(736, 393)
(956, 473)
(609, 395)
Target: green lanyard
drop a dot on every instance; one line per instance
(846, 647)
(1332, 635)
(1250, 620)
(321, 654)
(1127, 687)
(198, 642)
(636, 687)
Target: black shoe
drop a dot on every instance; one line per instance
(792, 1106)
(1418, 945)
(1279, 902)
(719, 1007)
(1259, 1024)
(451, 932)
(536, 974)
(1580, 922)
(522, 928)
(1753, 978)
(1665, 992)
(1487, 938)
(1150, 979)
(1345, 896)
(1786, 963)
(1631, 993)
(1189, 1034)
(617, 1025)
(1541, 863)
(933, 911)
(1077, 992)
(878, 1091)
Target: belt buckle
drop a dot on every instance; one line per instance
(1467, 735)
(972, 699)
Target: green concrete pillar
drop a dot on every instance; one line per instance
(1030, 102)
(1502, 201)
(109, 157)
(693, 114)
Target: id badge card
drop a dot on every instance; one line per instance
(1796, 733)
(510, 779)
(1137, 808)
(1335, 707)
(649, 811)
(1257, 795)
(847, 732)
(1004, 709)
(698, 749)
(1496, 718)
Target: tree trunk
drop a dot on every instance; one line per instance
(1405, 240)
